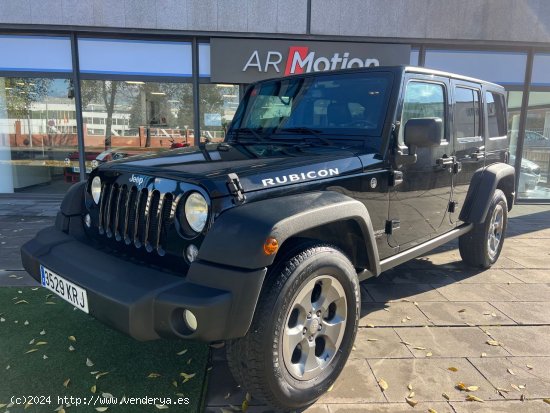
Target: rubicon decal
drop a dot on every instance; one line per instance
(302, 176)
(300, 59)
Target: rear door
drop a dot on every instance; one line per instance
(468, 135)
(420, 202)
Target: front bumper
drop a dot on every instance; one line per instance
(146, 303)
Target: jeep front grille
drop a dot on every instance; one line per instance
(134, 216)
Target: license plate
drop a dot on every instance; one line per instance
(76, 169)
(70, 292)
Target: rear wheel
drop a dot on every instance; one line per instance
(481, 247)
(303, 329)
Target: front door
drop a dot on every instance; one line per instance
(421, 201)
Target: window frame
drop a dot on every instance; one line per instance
(481, 103)
(429, 80)
(486, 115)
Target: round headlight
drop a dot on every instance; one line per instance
(196, 211)
(96, 189)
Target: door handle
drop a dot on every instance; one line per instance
(446, 160)
(479, 153)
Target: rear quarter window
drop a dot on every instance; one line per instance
(496, 114)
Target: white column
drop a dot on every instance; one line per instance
(6, 171)
(515, 131)
(546, 131)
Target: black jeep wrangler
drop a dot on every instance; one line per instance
(324, 180)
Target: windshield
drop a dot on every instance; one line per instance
(336, 106)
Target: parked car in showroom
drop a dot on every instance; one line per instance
(71, 172)
(324, 180)
(533, 139)
(94, 159)
(529, 174)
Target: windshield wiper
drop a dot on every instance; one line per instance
(249, 130)
(302, 130)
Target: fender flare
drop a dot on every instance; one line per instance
(73, 201)
(69, 217)
(482, 188)
(238, 235)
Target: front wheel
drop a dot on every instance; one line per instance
(303, 328)
(482, 245)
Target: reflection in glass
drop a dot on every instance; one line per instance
(514, 110)
(466, 113)
(37, 134)
(423, 100)
(218, 103)
(125, 118)
(535, 165)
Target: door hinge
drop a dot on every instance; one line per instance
(452, 207)
(235, 188)
(457, 167)
(396, 178)
(391, 225)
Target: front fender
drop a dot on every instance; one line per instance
(238, 235)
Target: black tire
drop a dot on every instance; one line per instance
(475, 247)
(257, 360)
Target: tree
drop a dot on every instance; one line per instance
(105, 92)
(22, 93)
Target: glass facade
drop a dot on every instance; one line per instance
(136, 97)
(218, 103)
(504, 68)
(125, 118)
(509, 69)
(142, 96)
(535, 156)
(37, 134)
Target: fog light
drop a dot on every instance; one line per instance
(88, 220)
(190, 320)
(191, 253)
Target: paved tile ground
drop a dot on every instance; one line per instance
(453, 312)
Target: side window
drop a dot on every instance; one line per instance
(466, 113)
(496, 114)
(423, 100)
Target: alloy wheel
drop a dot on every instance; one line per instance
(314, 327)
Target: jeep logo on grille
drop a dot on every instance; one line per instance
(136, 179)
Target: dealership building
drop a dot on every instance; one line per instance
(87, 81)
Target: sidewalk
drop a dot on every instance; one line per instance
(418, 320)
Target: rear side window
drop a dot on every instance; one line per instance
(467, 113)
(496, 114)
(423, 100)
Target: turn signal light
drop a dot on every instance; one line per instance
(271, 246)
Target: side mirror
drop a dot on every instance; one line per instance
(423, 133)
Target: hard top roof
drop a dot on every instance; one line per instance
(394, 69)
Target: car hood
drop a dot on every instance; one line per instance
(257, 166)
